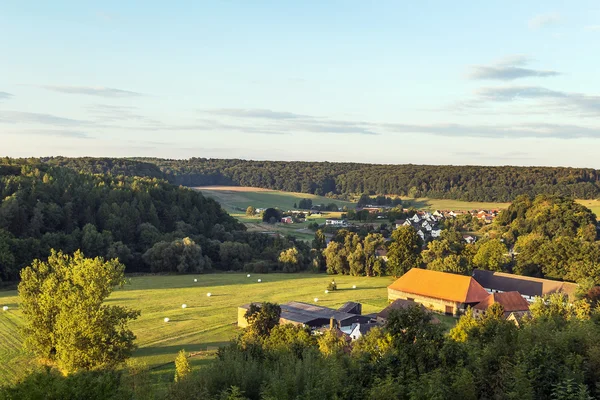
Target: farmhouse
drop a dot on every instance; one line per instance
(287, 220)
(512, 302)
(336, 222)
(527, 286)
(313, 316)
(439, 291)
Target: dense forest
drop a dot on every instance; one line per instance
(468, 183)
(147, 223)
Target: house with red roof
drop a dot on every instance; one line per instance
(438, 291)
(511, 302)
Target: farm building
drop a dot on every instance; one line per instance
(529, 287)
(287, 220)
(439, 291)
(512, 302)
(313, 316)
(336, 222)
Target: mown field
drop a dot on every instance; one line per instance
(234, 198)
(207, 322)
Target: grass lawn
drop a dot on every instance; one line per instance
(207, 322)
(445, 204)
(593, 205)
(233, 198)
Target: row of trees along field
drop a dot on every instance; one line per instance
(546, 236)
(553, 354)
(147, 223)
(468, 183)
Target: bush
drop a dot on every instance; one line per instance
(332, 286)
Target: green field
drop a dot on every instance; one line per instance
(426, 203)
(593, 205)
(207, 322)
(234, 198)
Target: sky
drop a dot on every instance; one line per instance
(427, 82)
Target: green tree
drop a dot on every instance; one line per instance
(182, 366)
(262, 318)
(492, 255)
(250, 211)
(66, 320)
(403, 252)
(290, 260)
(271, 215)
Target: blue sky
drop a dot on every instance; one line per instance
(431, 82)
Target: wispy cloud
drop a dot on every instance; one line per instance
(543, 20)
(592, 28)
(107, 113)
(527, 130)
(5, 96)
(50, 132)
(567, 101)
(254, 113)
(20, 117)
(508, 69)
(92, 91)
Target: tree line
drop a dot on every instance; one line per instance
(467, 183)
(148, 224)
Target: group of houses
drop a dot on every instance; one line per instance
(436, 292)
(425, 223)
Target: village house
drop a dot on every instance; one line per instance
(511, 302)
(529, 287)
(469, 239)
(313, 316)
(358, 330)
(336, 222)
(439, 291)
(287, 220)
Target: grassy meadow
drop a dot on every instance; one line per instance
(233, 198)
(207, 322)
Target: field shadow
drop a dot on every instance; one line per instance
(174, 349)
(238, 279)
(416, 203)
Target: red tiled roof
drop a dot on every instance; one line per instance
(440, 285)
(511, 301)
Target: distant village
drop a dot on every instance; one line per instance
(435, 292)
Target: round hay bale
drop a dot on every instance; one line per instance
(316, 299)
(195, 280)
(184, 306)
(5, 308)
(248, 276)
(353, 286)
(167, 319)
(327, 291)
(260, 280)
(208, 294)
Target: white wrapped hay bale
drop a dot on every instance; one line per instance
(184, 306)
(167, 319)
(208, 294)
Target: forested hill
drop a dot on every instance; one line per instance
(44, 207)
(469, 183)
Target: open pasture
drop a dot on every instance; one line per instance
(234, 198)
(206, 323)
